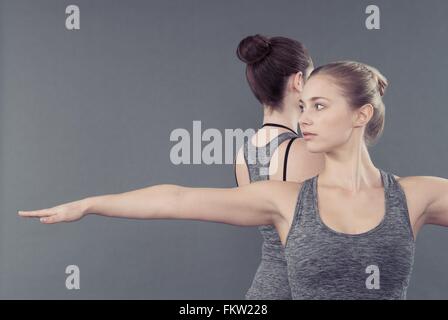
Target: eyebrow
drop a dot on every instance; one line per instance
(315, 98)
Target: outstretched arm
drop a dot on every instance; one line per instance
(249, 205)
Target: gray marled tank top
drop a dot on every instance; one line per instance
(326, 264)
(271, 279)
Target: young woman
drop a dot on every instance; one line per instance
(276, 70)
(348, 233)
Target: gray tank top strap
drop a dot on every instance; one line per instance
(258, 159)
(397, 204)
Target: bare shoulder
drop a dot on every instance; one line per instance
(239, 159)
(299, 147)
(419, 182)
(300, 152)
(412, 185)
(302, 164)
(423, 188)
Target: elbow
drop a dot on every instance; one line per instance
(172, 198)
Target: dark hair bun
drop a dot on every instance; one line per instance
(253, 49)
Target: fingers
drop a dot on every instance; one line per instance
(52, 219)
(36, 213)
(45, 216)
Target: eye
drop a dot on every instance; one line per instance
(301, 107)
(319, 106)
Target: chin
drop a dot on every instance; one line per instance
(313, 147)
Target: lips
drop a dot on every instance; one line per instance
(308, 135)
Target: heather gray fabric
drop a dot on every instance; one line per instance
(271, 279)
(326, 264)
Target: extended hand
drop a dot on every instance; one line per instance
(66, 212)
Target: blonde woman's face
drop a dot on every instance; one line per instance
(324, 112)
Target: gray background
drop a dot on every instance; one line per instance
(89, 112)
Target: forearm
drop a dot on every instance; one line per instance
(155, 202)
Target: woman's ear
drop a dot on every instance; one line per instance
(297, 81)
(363, 115)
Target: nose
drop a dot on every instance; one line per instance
(304, 118)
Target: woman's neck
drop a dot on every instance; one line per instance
(350, 168)
(283, 116)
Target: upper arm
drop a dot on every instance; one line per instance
(436, 192)
(300, 163)
(427, 199)
(254, 204)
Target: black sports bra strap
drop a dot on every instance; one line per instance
(270, 124)
(234, 169)
(285, 162)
